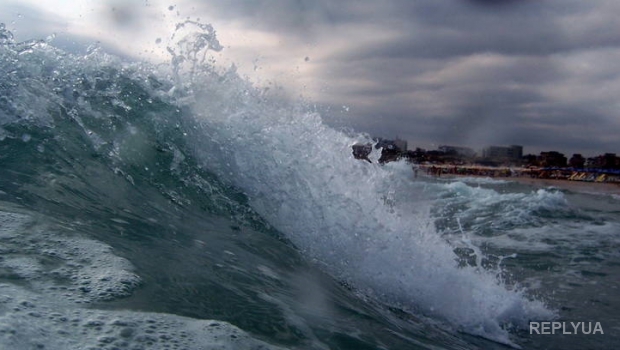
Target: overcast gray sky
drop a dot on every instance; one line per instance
(541, 73)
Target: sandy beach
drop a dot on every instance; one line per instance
(523, 177)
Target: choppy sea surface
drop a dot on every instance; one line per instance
(180, 207)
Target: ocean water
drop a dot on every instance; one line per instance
(180, 207)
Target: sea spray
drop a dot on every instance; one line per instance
(299, 174)
(134, 125)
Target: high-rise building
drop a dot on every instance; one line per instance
(461, 151)
(401, 144)
(514, 152)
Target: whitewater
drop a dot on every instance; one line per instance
(179, 206)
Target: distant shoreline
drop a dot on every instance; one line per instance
(574, 186)
(534, 177)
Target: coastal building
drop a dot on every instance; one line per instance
(401, 145)
(456, 150)
(500, 155)
(514, 152)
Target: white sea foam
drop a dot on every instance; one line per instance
(350, 216)
(506, 209)
(481, 180)
(63, 264)
(567, 236)
(29, 320)
(58, 272)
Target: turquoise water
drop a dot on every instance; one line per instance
(180, 207)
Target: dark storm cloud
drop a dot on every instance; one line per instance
(474, 72)
(542, 73)
(496, 100)
(434, 30)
